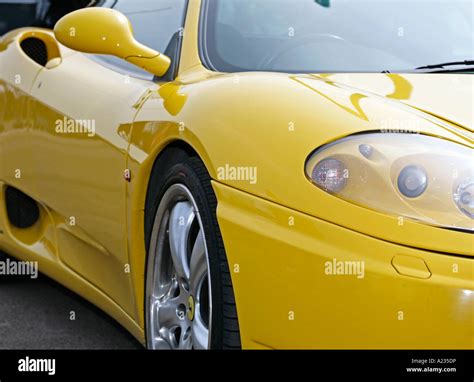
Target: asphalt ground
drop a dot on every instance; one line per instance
(36, 314)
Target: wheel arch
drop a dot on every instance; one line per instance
(161, 161)
(140, 211)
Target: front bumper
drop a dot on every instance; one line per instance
(301, 282)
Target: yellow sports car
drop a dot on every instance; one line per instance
(249, 173)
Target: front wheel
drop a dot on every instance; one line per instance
(189, 297)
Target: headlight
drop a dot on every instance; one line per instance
(414, 176)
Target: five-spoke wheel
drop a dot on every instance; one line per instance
(180, 301)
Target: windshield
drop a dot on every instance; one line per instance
(335, 35)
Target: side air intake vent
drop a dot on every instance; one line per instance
(22, 211)
(35, 49)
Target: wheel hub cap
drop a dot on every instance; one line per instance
(191, 308)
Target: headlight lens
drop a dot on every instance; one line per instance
(414, 176)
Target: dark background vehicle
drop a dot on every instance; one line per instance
(42, 13)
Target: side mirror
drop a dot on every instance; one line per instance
(107, 31)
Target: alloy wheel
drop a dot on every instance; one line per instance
(179, 299)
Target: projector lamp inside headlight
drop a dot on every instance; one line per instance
(464, 197)
(412, 181)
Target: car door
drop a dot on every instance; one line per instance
(84, 112)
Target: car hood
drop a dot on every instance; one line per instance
(447, 96)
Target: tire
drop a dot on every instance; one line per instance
(188, 283)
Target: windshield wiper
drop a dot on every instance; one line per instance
(444, 65)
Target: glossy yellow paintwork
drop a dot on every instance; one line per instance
(290, 301)
(418, 289)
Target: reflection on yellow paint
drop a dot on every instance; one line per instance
(173, 100)
(403, 88)
(402, 91)
(354, 99)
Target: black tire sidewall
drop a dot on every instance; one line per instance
(190, 174)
